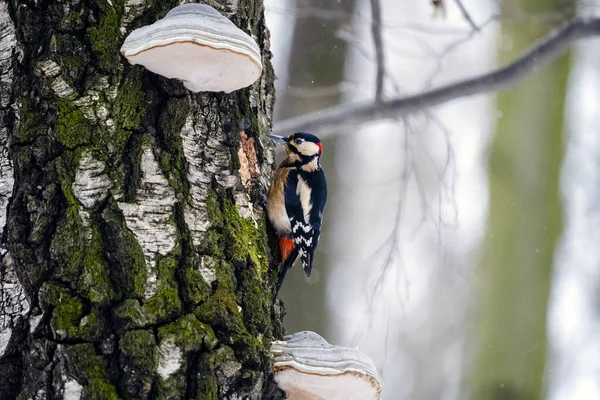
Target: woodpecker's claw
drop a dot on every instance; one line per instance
(261, 202)
(251, 181)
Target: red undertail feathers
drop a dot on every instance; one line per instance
(286, 245)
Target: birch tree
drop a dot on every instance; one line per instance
(134, 258)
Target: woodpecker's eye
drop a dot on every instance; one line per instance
(298, 141)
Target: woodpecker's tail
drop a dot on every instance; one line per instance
(307, 263)
(289, 253)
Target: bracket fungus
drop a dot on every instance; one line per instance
(196, 44)
(308, 368)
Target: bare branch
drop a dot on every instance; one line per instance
(376, 28)
(545, 51)
(466, 15)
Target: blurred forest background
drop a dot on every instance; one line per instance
(460, 244)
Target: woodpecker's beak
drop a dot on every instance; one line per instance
(278, 139)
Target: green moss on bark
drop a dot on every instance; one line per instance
(256, 303)
(79, 254)
(195, 289)
(124, 253)
(166, 304)
(212, 244)
(72, 129)
(105, 39)
(99, 389)
(90, 370)
(189, 334)
(30, 126)
(172, 158)
(65, 167)
(68, 316)
(130, 102)
(95, 281)
(217, 365)
(221, 312)
(92, 326)
(241, 240)
(66, 247)
(139, 360)
(240, 306)
(67, 311)
(130, 315)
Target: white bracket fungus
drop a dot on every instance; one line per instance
(308, 368)
(198, 45)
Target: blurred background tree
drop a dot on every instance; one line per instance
(513, 280)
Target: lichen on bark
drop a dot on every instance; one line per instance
(140, 259)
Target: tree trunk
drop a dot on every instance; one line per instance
(133, 261)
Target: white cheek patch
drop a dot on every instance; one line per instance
(308, 148)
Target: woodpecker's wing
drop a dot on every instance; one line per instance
(305, 197)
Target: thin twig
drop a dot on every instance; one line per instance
(376, 28)
(466, 15)
(546, 50)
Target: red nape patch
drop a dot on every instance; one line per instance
(320, 147)
(286, 245)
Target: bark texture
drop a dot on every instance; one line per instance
(134, 263)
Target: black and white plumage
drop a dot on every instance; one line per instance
(296, 201)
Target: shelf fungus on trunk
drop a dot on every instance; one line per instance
(196, 44)
(306, 367)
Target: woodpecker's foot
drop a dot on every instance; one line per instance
(261, 199)
(259, 192)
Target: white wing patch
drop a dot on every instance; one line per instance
(304, 192)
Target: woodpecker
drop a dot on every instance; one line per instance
(296, 200)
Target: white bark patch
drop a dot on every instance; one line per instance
(170, 359)
(73, 390)
(95, 102)
(4, 339)
(208, 269)
(34, 322)
(8, 43)
(51, 71)
(133, 9)
(14, 304)
(6, 177)
(92, 185)
(150, 217)
(196, 216)
(208, 158)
